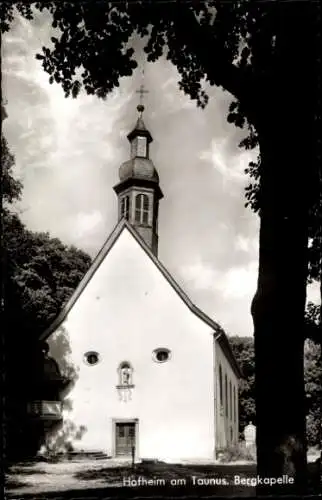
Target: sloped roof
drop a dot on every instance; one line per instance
(220, 334)
(138, 168)
(140, 129)
(140, 125)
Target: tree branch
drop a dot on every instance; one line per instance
(214, 61)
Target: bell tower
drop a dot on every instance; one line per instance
(138, 191)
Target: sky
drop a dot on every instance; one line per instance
(68, 152)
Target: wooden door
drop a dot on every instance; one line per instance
(124, 438)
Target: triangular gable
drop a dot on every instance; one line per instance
(220, 334)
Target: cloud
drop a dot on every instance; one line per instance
(202, 276)
(86, 223)
(225, 295)
(237, 282)
(240, 282)
(314, 293)
(232, 171)
(245, 244)
(68, 152)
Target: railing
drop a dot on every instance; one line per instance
(45, 409)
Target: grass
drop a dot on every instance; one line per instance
(44, 478)
(72, 479)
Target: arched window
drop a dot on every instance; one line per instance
(220, 386)
(125, 207)
(142, 208)
(226, 396)
(125, 374)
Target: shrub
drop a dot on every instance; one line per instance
(237, 452)
(313, 430)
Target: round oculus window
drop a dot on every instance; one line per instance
(161, 355)
(91, 358)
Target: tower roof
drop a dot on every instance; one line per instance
(140, 128)
(138, 168)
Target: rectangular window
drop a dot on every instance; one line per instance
(220, 386)
(236, 405)
(142, 209)
(226, 396)
(141, 148)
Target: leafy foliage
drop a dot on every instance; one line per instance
(40, 274)
(243, 348)
(7, 13)
(253, 50)
(237, 452)
(93, 53)
(313, 390)
(11, 187)
(313, 322)
(95, 38)
(61, 440)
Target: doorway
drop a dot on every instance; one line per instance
(125, 438)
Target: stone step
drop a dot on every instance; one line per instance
(92, 455)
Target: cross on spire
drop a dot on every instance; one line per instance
(141, 91)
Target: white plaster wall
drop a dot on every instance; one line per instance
(127, 310)
(223, 423)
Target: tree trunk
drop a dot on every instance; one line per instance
(286, 117)
(279, 304)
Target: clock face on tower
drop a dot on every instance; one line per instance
(141, 150)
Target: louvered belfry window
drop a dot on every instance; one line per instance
(142, 209)
(125, 207)
(142, 147)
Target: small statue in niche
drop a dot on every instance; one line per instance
(125, 386)
(125, 375)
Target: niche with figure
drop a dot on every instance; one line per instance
(125, 381)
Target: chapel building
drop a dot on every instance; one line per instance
(155, 377)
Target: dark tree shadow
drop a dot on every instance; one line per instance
(13, 484)
(59, 438)
(31, 430)
(110, 476)
(22, 471)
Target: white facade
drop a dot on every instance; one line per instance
(226, 401)
(124, 309)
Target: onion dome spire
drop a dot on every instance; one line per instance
(138, 190)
